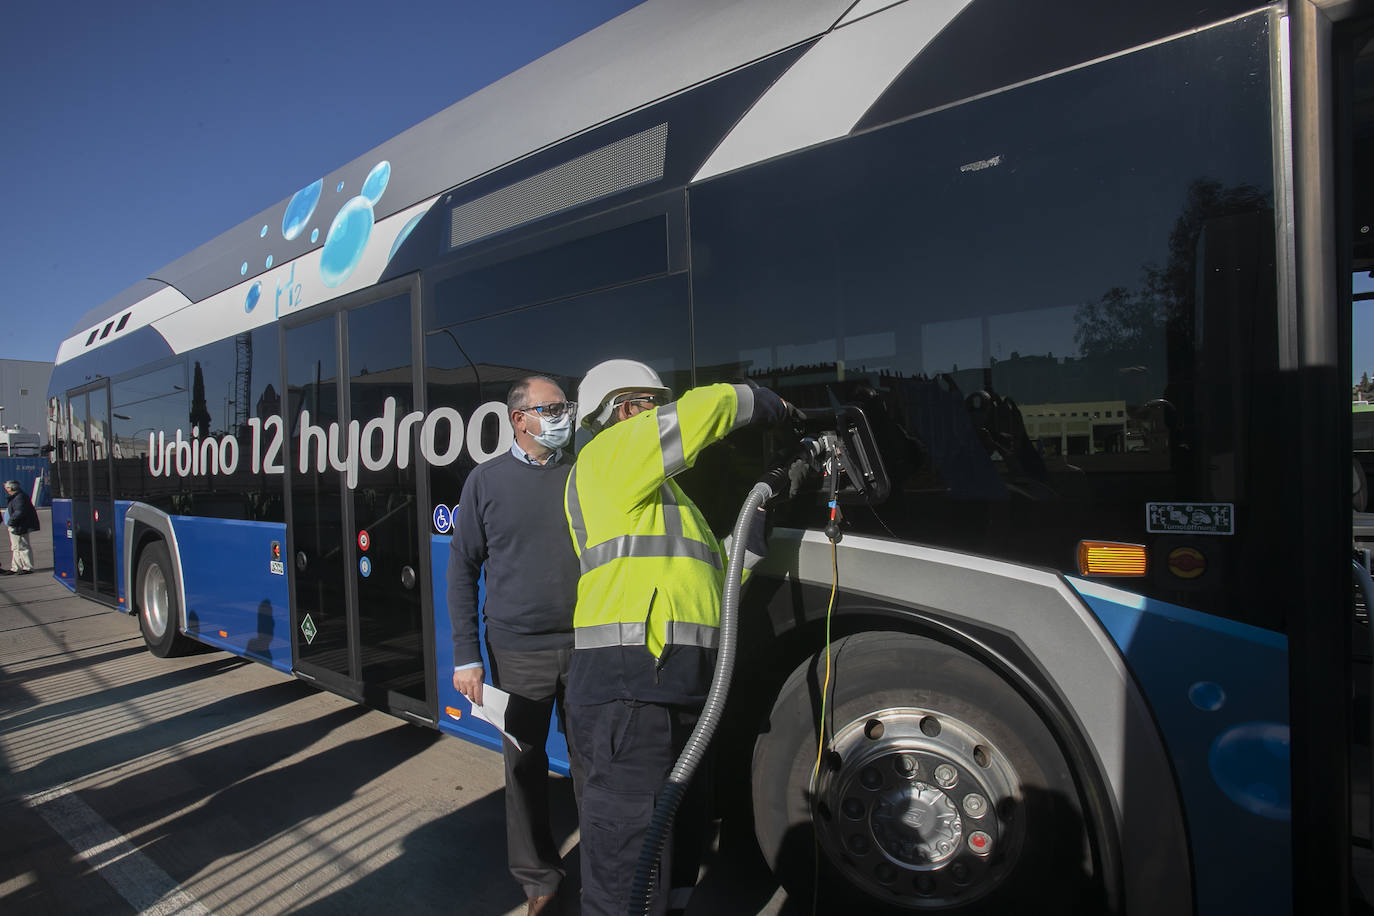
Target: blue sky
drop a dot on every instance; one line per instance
(135, 132)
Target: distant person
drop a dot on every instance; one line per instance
(21, 518)
(510, 521)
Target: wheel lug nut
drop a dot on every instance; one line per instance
(946, 775)
(906, 765)
(975, 804)
(870, 778)
(852, 808)
(959, 872)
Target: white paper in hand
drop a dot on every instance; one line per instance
(493, 710)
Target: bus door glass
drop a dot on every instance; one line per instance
(385, 527)
(356, 612)
(93, 528)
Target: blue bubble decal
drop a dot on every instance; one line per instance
(339, 188)
(269, 260)
(346, 241)
(1207, 696)
(300, 209)
(263, 233)
(1250, 764)
(314, 235)
(376, 181)
(254, 293)
(243, 269)
(402, 235)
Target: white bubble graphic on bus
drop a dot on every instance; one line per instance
(375, 444)
(346, 241)
(375, 182)
(300, 209)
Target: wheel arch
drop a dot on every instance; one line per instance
(1032, 629)
(143, 525)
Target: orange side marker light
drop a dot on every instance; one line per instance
(453, 712)
(1108, 558)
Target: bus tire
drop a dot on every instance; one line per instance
(159, 610)
(915, 730)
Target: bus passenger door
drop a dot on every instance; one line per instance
(93, 528)
(358, 621)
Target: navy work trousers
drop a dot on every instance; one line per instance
(536, 681)
(628, 749)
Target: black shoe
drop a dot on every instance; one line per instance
(24, 572)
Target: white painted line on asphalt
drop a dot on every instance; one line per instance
(147, 888)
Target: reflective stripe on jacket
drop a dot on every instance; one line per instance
(651, 570)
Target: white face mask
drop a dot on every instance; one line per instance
(555, 434)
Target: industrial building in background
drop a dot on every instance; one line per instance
(23, 387)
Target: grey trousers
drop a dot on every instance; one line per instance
(536, 682)
(21, 557)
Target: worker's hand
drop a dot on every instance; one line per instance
(469, 682)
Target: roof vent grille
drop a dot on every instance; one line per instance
(627, 163)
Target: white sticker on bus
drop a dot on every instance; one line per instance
(379, 443)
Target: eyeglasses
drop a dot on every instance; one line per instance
(552, 411)
(650, 399)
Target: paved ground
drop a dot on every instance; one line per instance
(208, 784)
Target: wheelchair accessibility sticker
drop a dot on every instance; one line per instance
(1190, 518)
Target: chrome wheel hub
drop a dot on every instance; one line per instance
(918, 808)
(155, 601)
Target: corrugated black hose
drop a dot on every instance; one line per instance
(665, 810)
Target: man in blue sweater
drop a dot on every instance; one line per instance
(510, 520)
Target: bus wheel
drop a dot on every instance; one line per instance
(158, 612)
(939, 788)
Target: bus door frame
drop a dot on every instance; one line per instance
(88, 462)
(353, 686)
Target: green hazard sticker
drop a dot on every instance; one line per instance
(308, 629)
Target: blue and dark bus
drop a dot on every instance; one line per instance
(1086, 269)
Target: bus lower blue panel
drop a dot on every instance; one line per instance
(63, 552)
(234, 600)
(1219, 691)
(455, 713)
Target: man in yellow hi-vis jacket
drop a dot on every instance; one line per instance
(647, 619)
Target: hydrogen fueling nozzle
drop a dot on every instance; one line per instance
(835, 456)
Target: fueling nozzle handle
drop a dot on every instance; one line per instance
(783, 478)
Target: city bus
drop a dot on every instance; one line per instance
(1084, 268)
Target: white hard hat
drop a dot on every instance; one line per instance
(596, 394)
